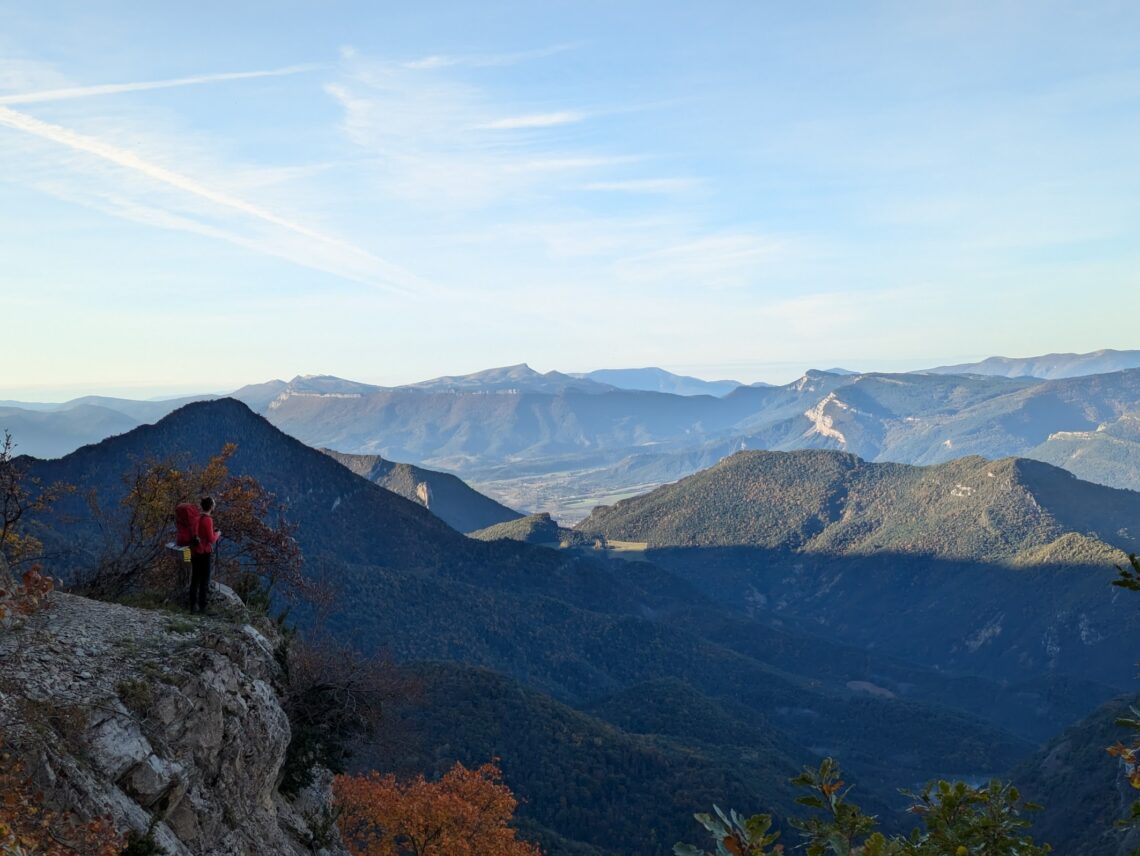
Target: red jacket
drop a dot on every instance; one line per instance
(207, 537)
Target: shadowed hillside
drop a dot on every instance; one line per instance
(446, 496)
(1083, 790)
(999, 568)
(588, 779)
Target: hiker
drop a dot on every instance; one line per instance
(201, 554)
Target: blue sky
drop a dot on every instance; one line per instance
(197, 196)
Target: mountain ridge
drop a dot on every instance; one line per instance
(654, 379)
(1048, 366)
(501, 428)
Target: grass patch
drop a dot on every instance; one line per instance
(138, 696)
(181, 625)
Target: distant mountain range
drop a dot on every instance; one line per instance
(1049, 366)
(562, 452)
(659, 380)
(51, 430)
(520, 378)
(562, 443)
(623, 665)
(49, 433)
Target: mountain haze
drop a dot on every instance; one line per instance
(50, 433)
(563, 451)
(559, 443)
(52, 430)
(519, 378)
(653, 379)
(1049, 366)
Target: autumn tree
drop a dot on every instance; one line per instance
(259, 553)
(21, 497)
(464, 813)
(957, 819)
(28, 827)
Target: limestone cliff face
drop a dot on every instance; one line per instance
(166, 722)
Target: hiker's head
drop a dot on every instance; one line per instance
(207, 504)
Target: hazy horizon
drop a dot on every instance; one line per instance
(205, 196)
(774, 373)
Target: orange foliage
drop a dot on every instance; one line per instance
(27, 598)
(257, 543)
(465, 813)
(21, 496)
(1129, 755)
(27, 827)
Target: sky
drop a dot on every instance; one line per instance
(195, 196)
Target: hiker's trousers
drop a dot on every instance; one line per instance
(199, 579)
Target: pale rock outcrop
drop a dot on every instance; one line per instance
(164, 721)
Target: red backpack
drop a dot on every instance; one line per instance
(186, 516)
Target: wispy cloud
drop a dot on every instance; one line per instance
(485, 60)
(435, 139)
(719, 260)
(126, 158)
(561, 163)
(351, 261)
(534, 120)
(70, 92)
(644, 185)
(440, 141)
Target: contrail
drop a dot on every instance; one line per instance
(115, 88)
(129, 160)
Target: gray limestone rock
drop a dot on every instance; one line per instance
(165, 723)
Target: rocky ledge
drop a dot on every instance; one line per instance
(166, 722)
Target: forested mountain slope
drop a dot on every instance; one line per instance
(1000, 568)
(1109, 455)
(830, 501)
(1084, 791)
